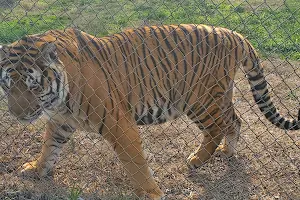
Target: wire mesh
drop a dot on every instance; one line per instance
(266, 161)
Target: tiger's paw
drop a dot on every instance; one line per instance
(32, 170)
(194, 161)
(156, 194)
(224, 151)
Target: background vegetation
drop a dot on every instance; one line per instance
(272, 27)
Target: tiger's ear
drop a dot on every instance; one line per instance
(49, 53)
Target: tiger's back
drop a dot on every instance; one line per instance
(162, 72)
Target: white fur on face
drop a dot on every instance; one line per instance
(33, 78)
(5, 78)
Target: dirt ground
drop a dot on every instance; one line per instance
(266, 165)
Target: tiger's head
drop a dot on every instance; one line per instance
(32, 77)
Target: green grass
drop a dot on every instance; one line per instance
(273, 28)
(293, 95)
(14, 29)
(74, 193)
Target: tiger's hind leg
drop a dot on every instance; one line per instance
(213, 135)
(228, 148)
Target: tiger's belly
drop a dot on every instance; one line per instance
(146, 114)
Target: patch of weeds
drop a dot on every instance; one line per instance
(239, 9)
(75, 193)
(293, 95)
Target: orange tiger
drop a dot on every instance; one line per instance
(147, 75)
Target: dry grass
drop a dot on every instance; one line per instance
(266, 166)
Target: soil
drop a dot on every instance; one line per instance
(266, 165)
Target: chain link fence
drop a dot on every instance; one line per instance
(267, 160)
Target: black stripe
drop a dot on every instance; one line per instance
(188, 43)
(71, 54)
(55, 146)
(274, 117)
(270, 112)
(167, 43)
(84, 45)
(128, 76)
(163, 54)
(98, 48)
(26, 60)
(68, 102)
(88, 108)
(68, 128)
(195, 66)
(60, 138)
(103, 120)
(260, 86)
(256, 77)
(57, 79)
(287, 125)
(207, 42)
(209, 116)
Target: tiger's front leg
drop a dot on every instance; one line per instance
(55, 137)
(126, 141)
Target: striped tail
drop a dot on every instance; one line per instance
(259, 88)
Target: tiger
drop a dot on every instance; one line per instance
(141, 76)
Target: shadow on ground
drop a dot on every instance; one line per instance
(230, 182)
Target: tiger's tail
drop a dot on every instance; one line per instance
(254, 71)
